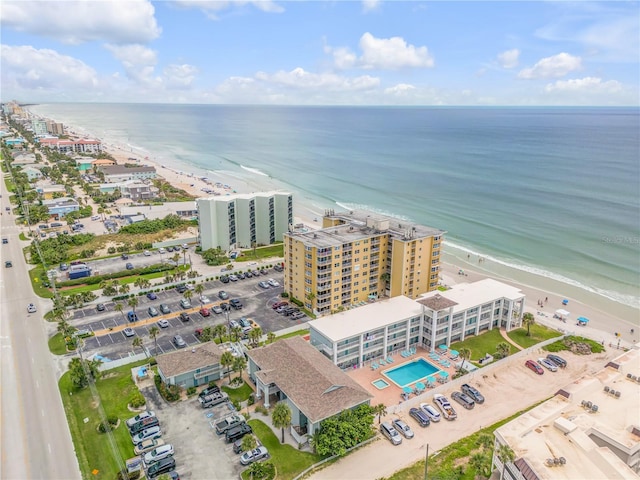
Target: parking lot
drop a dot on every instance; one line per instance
(199, 451)
(256, 302)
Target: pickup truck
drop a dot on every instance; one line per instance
(212, 400)
(445, 407)
(472, 392)
(228, 422)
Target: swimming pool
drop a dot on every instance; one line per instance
(410, 372)
(380, 384)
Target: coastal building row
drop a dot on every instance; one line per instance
(69, 146)
(185, 210)
(354, 337)
(122, 173)
(244, 220)
(360, 256)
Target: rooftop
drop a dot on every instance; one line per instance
(60, 202)
(366, 318)
(245, 196)
(309, 379)
(562, 427)
(122, 170)
(468, 295)
(189, 359)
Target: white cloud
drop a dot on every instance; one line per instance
(587, 85)
(212, 7)
(25, 68)
(552, 67)
(301, 79)
(371, 5)
(138, 61)
(509, 58)
(77, 22)
(179, 76)
(400, 89)
(383, 54)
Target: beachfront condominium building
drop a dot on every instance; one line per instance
(374, 331)
(55, 128)
(359, 256)
(244, 220)
(39, 127)
(122, 173)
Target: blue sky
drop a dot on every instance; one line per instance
(334, 52)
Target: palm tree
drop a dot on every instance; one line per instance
(254, 336)
(153, 333)
(236, 333)
(219, 331)
(528, 319)
(485, 441)
(188, 294)
(380, 410)
(199, 289)
(503, 349)
(139, 282)
(248, 443)
(465, 354)
(118, 307)
(385, 278)
(137, 342)
(478, 462)
(124, 288)
(505, 455)
(281, 417)
(133, 303)
(271, 337)
(239, 364)
(226, 360)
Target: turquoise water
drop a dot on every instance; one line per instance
(380, 384)
(547, 192)
(409, 373)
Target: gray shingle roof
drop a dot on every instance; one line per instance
(189, 359)
(310, 380)
(437, 302)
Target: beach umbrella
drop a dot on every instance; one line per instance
(444, 374)
(442, 347)
(583, 319)
(453, 352)
(565, 301)
(407, 390)
(420, 386)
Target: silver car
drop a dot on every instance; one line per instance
(179, 342)
(548, 364)
(403, 428)
(391, 433)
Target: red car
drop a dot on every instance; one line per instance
(279, 304)
(205, 312)
(534, 366)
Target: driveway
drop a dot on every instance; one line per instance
(199, 452)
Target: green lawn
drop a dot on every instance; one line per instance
(539, 333)
(484, 343)
(22, 236)
(276, 250)
(36, 283)
(57, 345)
(122, 280)
(92, 448)
(238, 394)
(561, 345)
(289, 461)
(293, 334)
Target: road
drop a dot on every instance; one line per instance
(35, 442)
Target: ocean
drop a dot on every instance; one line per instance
(543, 194)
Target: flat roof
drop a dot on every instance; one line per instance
(245, 196)
(369, 317)
(468, 295)
(562, 427)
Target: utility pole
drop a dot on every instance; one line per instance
(426, 464)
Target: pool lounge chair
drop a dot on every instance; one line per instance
(389, 359)
(382, 362)
(404, 354)
(413, 350)
(374, 366)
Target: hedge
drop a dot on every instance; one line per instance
(110, 276)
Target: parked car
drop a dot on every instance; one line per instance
(158, 453)
(205, 312)
(237, 445)
(31, 308)
(233, 324)
(244, 322)
(147, 253)
(184, 317)
(204, 300)
(153, 311)
(442, 402)
(419, 416)
(233, 278)
(209, 390)
(164, 308)
(559, 361)
(236, 303)
(143, 425)
(225, 306)
(273, 283)
(100, 307)
(278, 267)
(64, 267)
(279, 304)
(124, 256)
(149, 433)
(254, 455)
(151, 296)
(263, 284)
(241, 276)
(255, 273)
(222, 295)
(179, 342)
(228, 423)
(297, 315)
(181, 288)
(141, 416)
(403, 428)
(548, 364)
(129, 332)
(8, 264)
(237, 432)
(463, 399)
(213, 399)
(430, 412)
(391, 433)
(165, 465)
(224, 278)
(531, 365)
(163, 323)
(184, 303)
(216, 309)
(129, 266)
(169, 248)
(472, 392)
(147, 446)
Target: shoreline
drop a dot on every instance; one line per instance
(189, 178)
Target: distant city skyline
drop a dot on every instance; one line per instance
(322, 53)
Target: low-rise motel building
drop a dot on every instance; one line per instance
(589, 430)
(355, 337)
(358, 256)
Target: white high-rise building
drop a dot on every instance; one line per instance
(39, 127)
(242, 220)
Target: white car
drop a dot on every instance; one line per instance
(204, 299)
(129, 332)
(147, 253)
(141, 416)
(273, 283)
(184, 303)
(31, 308)
(163, 323)
(158, 454)
(254, 455)
(148, 434)
(548, 364)
(430, 412)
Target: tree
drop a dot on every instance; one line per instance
(137, 343)
(254, 336)
(199, 289)
(385, 278)
(465, 354)
(239, 364)
(118, 307)
(503, 349)
(505, 455)
(248, 443)
(271, 337)
(133, 303)
(339, 433)
(82, 371)
(380, 410)
(480, 463)
(281, 417)
(123, 289)
(485, 441)
(188, 294)
(219, 331)
(226, 360)
(153, 333)
(527, 320)
(236, 333)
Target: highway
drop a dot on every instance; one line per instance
(35, 442)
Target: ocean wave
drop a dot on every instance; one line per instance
(369, 208)
(625, 299)
(254, 170)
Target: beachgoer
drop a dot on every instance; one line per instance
(546, 299)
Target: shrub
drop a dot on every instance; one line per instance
(135, 475)
(212, 383)
(113, 420)
(263, 410)
(251, 400)
(111, 250)
(236, 405)
(104, 427)
(137, 400)
(191, 391)
(284, 295)
(170, 393)
(296, 301)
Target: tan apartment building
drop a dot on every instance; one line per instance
(360, 256)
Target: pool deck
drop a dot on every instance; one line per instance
(392, 394)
